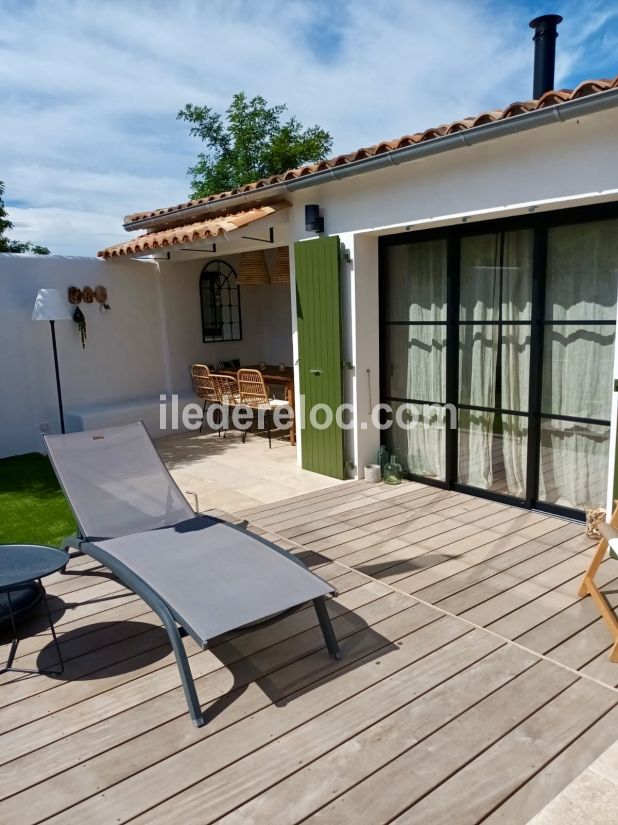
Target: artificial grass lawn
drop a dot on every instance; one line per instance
(33, 509)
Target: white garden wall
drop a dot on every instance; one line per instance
(123, 357)
(139, 350)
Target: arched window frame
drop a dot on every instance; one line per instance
(220, 303)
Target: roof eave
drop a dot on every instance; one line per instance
(567, 110)
(264, 195)
(212, 228)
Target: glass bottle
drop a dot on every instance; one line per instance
(382, 458)
(392, 471)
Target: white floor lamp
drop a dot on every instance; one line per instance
(51, 306)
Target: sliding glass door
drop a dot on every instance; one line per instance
(495, 313)
(579, 331)
(512, 326)
(415, 344)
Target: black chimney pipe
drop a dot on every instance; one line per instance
(545, 35)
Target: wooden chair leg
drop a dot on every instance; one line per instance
(599, 554)
(589, 587)
(598, 557)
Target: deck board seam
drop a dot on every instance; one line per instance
(59, 683)
(439, 517)
(472, 567)
(494, 633)
(544, 765)
(461, 557)
(190, 655)
(492, 537)
(406, 518)
(512, 586)
(311, 718)
(444, 779)
(317, 681)
(436, 614)
(239, 690)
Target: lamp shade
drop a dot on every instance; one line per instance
(50, 306)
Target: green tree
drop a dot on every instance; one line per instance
(6, 245)
(249, 143)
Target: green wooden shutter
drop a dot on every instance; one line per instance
(318, 305)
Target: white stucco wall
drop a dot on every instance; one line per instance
(140, 349)
(123, 355)
(364, 323)
(574, 163)
(576, 159)
(266, 322)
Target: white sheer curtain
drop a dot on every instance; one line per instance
(417, 288)
(582, 278)
(496, 279)
(516, 306)
(478, 350)
(494, 360)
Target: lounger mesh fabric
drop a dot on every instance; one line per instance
(216, 578)
(116, 482)
(198, 572)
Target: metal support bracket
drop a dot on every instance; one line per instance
(345, 254)
(270, 239)
(213, 248)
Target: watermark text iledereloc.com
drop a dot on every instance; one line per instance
(281, 416)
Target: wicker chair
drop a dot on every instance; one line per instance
(203, 387)
(253, 393)
(226, 389)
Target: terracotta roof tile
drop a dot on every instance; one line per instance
(488, 117)
(188, 233)
(552, 98)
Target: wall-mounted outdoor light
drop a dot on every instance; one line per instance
(313, 221)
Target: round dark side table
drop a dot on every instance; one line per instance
(21, 567)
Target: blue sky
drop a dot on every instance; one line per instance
(90, 88)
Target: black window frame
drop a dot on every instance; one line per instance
(540, 223)
(218, 282)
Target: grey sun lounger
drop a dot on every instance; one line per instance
(201, 575)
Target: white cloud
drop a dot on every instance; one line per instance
(91, 90)
(66, 231)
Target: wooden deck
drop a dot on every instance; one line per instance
(473, 687)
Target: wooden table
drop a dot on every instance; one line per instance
(273, 375)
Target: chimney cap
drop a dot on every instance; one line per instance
(545, 20)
